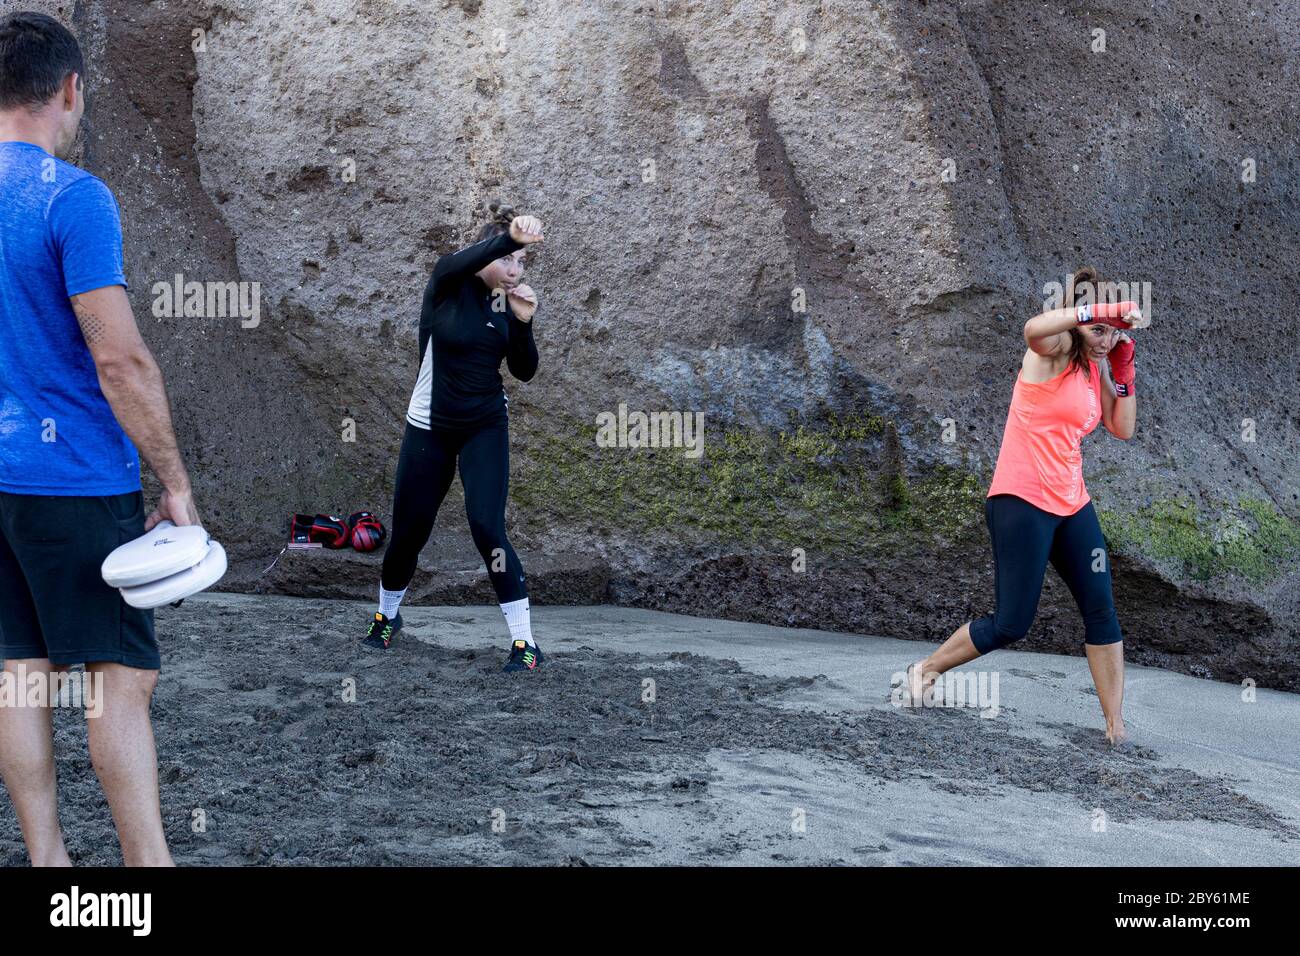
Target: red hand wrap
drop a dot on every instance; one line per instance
(1121, 367)
(1107, 313)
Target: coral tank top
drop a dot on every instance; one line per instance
(1040, 460)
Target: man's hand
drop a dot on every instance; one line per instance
(176, 507)
(526, 230)
(523, 302)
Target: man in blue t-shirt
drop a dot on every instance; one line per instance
(79, 394)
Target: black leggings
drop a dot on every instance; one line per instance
(425, 469)
(1025, 538)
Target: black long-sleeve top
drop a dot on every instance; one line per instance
(468, 339)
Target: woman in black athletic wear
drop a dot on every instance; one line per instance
(476, 313)
(1076, 372)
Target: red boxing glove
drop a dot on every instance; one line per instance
(365, 531)
(1121, 367)
(1107, 313)
(325, 530)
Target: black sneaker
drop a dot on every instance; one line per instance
(523, 657)
(381, 631)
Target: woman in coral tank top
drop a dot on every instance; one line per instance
(1077, 372)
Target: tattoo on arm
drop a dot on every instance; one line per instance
(92, 326)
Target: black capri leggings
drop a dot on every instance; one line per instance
(1025, 538)
(425, 469)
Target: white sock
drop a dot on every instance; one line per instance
(390, 601)
(519, 621)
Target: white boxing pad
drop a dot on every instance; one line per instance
(162, 552)
(179, 586)
(166, 565)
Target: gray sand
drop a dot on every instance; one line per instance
(762, 745)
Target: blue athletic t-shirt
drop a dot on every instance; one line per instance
(60, 236)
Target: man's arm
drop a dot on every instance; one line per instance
(133, 384)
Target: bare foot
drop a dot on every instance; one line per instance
(1117, 734)
(916, 683)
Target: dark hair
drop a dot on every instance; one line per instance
(37, 54)
(502, 216)
(1084, 284)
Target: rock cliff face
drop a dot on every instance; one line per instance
(822, 224)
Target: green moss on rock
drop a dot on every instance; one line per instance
(819, 485)
(836, 485)
(1250, 539)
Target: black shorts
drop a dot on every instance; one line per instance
(53, 602)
